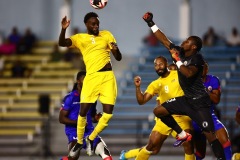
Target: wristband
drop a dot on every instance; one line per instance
(179, 63)
(154, 28)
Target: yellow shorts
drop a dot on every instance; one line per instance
(101, 86)
(184, 122)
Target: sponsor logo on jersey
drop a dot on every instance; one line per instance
(75, 138)
(173, 80)
(171, 100)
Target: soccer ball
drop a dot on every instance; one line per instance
(98, 4)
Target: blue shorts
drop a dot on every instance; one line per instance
(72, 136)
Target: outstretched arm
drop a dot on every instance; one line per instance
(64, 42)
(148, 17)
(116, 52)
(142, 98)
(187, 71)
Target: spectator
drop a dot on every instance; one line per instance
(21, 47)
(26, 42)
(210, 38)
(56, 55)
(29, 39)
(14, 37)
(234, 39)
(69, 55)
(151, 40)
(7, 48)
(19, 70)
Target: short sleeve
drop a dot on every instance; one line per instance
(152, 88)
(67, 103)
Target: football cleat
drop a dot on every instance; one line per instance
(89, 146)
(75, 150)
(122, 155)
(180, 141)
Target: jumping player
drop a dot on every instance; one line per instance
(100, 82)
(68, 116)
(196, 102)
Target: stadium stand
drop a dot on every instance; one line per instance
(23, 127)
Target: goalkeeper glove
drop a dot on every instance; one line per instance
(148, 17)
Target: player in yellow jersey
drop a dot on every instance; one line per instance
(166, 87)
(100, 82)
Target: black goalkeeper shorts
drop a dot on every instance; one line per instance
(197, 109)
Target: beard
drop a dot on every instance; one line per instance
(94, 32)
(162, 73)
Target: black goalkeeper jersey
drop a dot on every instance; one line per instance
(193, 87)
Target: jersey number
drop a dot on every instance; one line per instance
(166, 89)
(93, 40)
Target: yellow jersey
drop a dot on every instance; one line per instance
(95, 49)
(166, 88)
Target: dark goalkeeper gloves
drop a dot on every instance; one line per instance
(148, 17)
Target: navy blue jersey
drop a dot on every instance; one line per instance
(71, 103)
(212, 83)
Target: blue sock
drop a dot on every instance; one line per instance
(227, 151)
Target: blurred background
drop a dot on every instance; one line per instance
(35, 73)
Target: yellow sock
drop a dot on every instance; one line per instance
(102, 124)
(81, 123)
(132, 153)
(143, 154)
(190, 157)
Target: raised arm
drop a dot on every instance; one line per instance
(148, 17)
(142, 98)
(62, 41)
